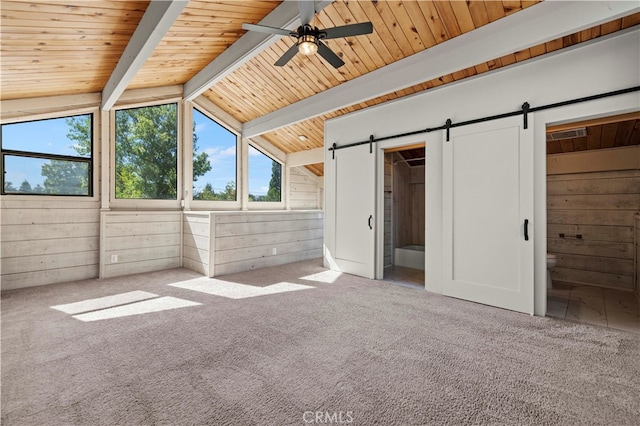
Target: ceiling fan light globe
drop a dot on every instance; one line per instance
(307, 45)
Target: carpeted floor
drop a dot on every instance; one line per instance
(352, 351)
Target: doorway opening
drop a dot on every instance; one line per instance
(404, 215)
(593, 221)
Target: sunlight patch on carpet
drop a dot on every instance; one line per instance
(235, 290)
(104, 302)
(328, 277)
(138, 308)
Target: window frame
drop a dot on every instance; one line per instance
(91, 161)
(215, 204)
(145, 203)
(267, 205)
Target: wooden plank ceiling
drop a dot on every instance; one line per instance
(53, 47)
(610, 133)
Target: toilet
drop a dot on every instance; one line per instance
(552, 261)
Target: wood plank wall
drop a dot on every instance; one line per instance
(246, 240)
(48, 241)
(638, 256)
(304, 190)
(143, 241)
(601, 207)
(409, 204)
(388, 209)
(197, 240)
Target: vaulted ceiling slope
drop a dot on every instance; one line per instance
(52, 47)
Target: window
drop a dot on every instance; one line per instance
(48, 157)
(265, 177)
(214, 160)
(146, 159)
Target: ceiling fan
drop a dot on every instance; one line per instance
(309, 38)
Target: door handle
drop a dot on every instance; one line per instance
(370, 219)
(526, 229)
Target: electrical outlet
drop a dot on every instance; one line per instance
(114, 258)
(274, 251)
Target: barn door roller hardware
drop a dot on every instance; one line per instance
(447, 126)
(524, 111)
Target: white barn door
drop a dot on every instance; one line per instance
(488, 214)
(354, 211)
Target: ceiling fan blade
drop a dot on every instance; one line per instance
(348, 30)
(329, 55)
(265, 29)
(287, 56)
(307, 10)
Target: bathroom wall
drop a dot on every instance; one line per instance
(638, 256)
(595, 194)
(408, 203)
(388, 209)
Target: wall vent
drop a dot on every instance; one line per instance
(567, 134)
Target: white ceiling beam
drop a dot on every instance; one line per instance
(286, 15)
(156, 21)
(535, 25)
(304, 158)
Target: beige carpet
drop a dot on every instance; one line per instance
(352, 350)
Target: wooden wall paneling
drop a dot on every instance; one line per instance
(637, 256)
(196, 242)
(304, 190)
(587, 247)
(595, 183)
(246, 240)
(401, 202)
(142, 242)
(601, 207)
(418, 205)
(591, 217)
(594, 201)
(388, 210)
(581, 276)
(596, 232)
(606, 265)
(48, 242)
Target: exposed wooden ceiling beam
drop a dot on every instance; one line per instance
(156, 21)
(304, 158)
(537, 24)
(286, 15)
